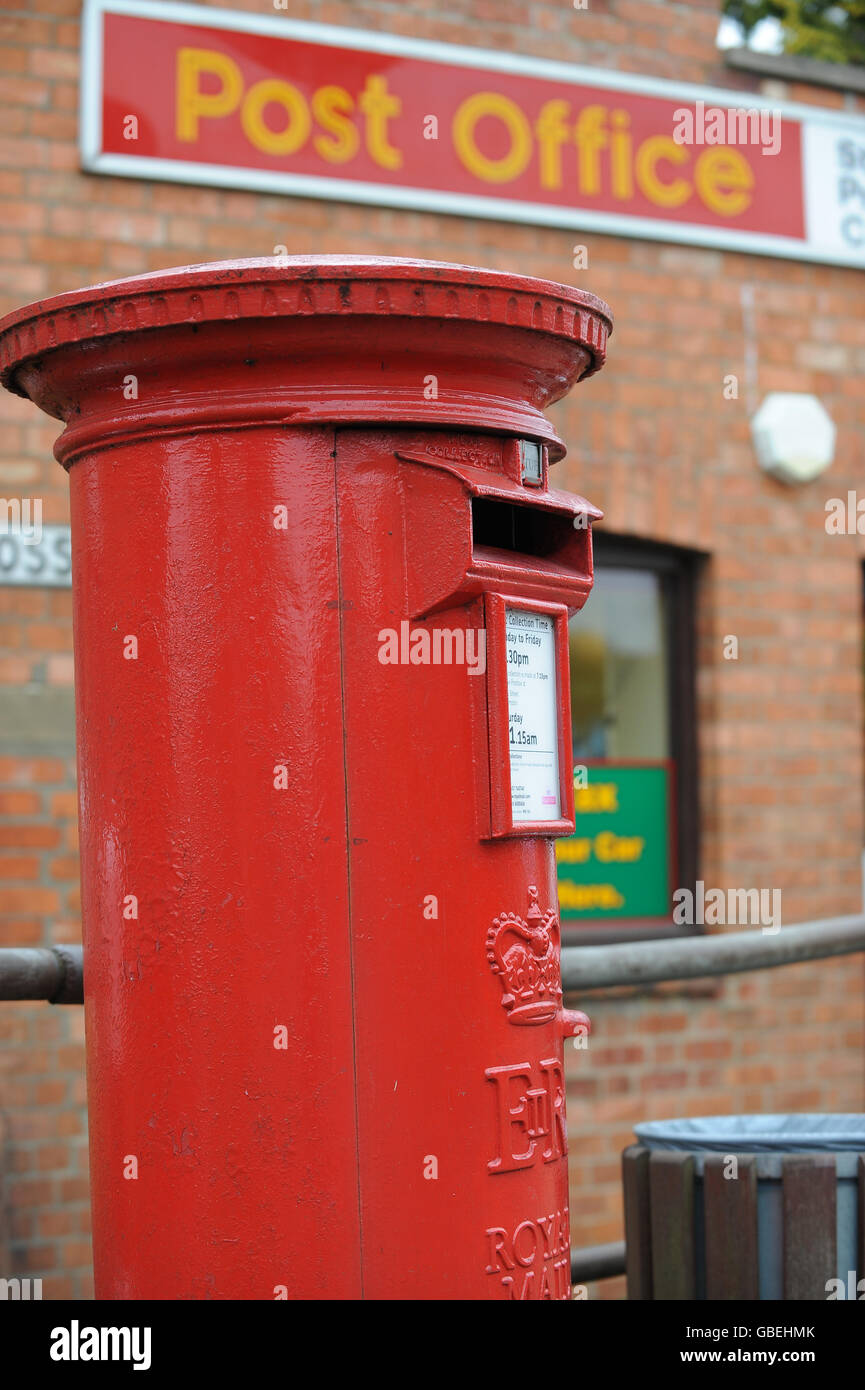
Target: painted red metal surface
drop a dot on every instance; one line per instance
(324, 1021)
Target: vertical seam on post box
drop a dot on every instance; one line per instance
(339, 611)
(400, 492)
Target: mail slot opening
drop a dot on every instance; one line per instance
(536, 531)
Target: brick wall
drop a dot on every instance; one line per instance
(652, 440)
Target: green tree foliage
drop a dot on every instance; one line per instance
(832, 30)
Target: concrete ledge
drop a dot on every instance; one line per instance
(844, 77)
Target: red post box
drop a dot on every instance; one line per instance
(321, 590)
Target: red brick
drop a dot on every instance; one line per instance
(76, 1253)
(55, 1286)
(23, 770)
(28, 900)
(22, 1225)
(24, 835)
(63, 868)
(61, 1221)
(15, 670)
(38, 1257)
(53, 62)
(18, 803)
(74, 1189)
(14, 867)
(29, 1192)
(21, 931)
(51, 1092)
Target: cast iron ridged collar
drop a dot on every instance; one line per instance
(384, 308)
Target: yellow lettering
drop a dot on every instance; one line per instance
(724, 180)
(378, 105)
(296, 131)
(621, 849)
(331, 107)
(552, 132)
(573, 851)
(588, 897)
(472, 110)
(598, 796)
(591, 138)
(621, 155)
(192, 102)
(656, 148)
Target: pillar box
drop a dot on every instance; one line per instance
(321, 591)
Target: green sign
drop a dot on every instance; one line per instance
(617, 864)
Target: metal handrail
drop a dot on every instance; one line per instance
(55, 973)
(727, 953)
(597, 1262)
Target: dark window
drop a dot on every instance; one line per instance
(632, 660)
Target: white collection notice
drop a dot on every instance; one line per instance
(532, 724)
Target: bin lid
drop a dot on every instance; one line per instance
(757, 1134)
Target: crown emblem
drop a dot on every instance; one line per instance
(525, 953)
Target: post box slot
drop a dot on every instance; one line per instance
(499, 538)
(528, 531)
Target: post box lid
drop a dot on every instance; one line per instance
(333, 339)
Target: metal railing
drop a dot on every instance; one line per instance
(53, 973)
(596, 1262)
(727, 953)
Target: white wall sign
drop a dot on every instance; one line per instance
(41, 561)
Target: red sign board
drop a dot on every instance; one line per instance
(193, 94)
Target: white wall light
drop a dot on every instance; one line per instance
(794, 436)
